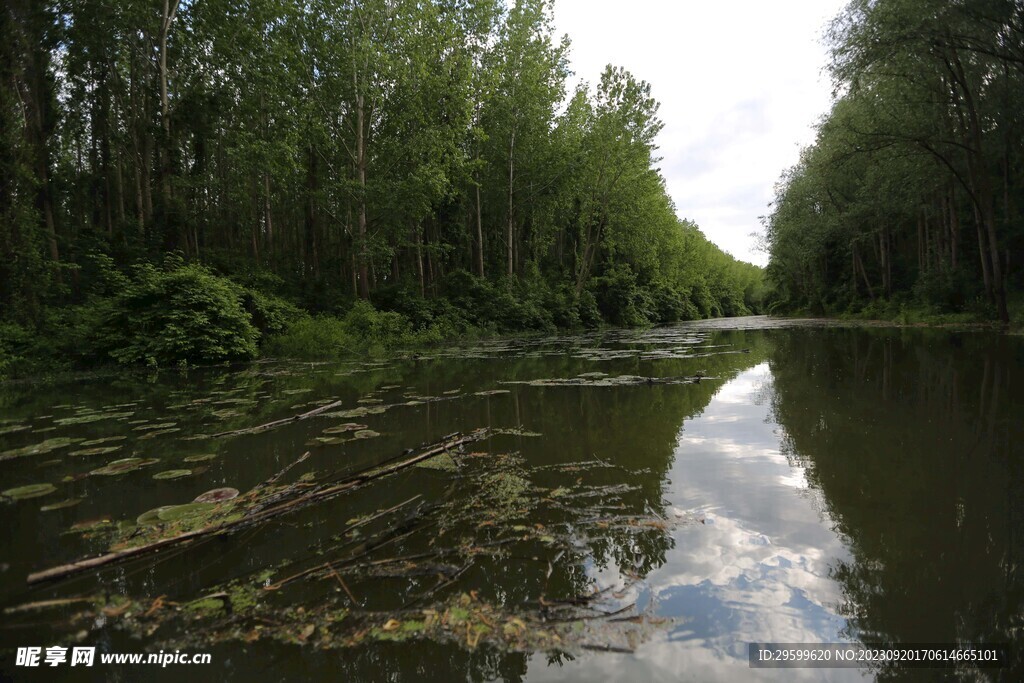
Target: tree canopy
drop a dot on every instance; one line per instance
(339, 149)
(913, 190)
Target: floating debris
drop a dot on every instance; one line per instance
(443, 462)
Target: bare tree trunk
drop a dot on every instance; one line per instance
(364, 280)
(479, 235)
(511, 224)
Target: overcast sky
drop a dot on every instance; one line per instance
(741, 84)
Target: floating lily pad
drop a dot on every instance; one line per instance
(99, 450)
(159, 432)
(105, 439)
(70, 502)
(152, 516)
(342, 428)
(172, 474)
(369, 401)
(361, 411)
(366, 434)
(124, 465)
(159, 425)
(29, 491)
(217, 495)
(201, 458)
(90, 417)
(90, 525)
(225, 413)
(176, 513)
(39, 448)
(493, 392)
(11, 429)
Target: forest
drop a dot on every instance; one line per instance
(192, 182)
(910, 200)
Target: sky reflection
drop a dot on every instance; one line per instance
(754, 564)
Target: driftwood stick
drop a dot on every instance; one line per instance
(278, 423)
(66, 570)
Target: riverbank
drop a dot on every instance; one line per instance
(179, 315)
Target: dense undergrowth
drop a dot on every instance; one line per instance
(176, 314)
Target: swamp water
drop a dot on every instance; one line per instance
(628, 505)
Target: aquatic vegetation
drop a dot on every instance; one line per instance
(346, 427)
(60, 505)
(47, 446)
(12, 429)
(172, 474)
(89, 417)
(123, 466)
(217, 495)
(98, 450)
(103, 440)
(28, 491)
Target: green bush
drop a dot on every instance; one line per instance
(183, 314)
(620, 300)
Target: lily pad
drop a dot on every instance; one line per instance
(39, 448)
(152, 516)
(124, 465)
(492, 392)
(327, 441)
(159, 425)
(366, 434)
(101, 441)
(174, 513)
(99, 450)
(11, 429)
(217, 495)
(172, 474)
(70, 502)
(90, 417)
(201, 458)
(159, 432)
(29, 491)
(346, 427)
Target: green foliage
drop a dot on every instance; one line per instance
(908, 194)
(179, 314)
(300, 151)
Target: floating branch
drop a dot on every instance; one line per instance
(264, 515)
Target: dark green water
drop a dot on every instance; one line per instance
(818, 484)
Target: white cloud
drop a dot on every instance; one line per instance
(741, 85)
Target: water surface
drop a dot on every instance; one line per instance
(677, 492)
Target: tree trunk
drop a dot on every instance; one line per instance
(510, 269)
(479, 235)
